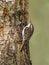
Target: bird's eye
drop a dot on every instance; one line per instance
(11, 1)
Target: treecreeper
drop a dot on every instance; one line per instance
(15, 32)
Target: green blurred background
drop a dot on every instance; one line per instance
(39, 42)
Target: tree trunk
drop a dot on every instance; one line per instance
(13, 19)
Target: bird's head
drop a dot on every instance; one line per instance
(28, 31)
(30, 27)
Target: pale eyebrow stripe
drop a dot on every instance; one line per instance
(8, 0)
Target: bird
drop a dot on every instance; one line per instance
(27, 33)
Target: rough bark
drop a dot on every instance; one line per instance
(13, 19)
